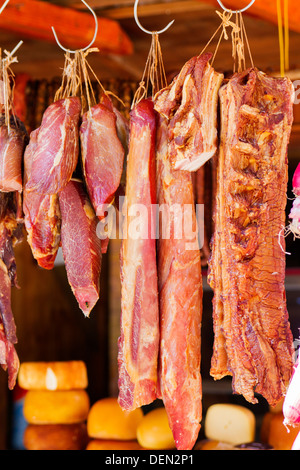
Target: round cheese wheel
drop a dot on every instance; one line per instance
(229, 423)
(154, 431)
(56, 407)
(106, 444)
(64, 375)
(107, 420)
(55, 436)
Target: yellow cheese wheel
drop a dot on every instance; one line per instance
(107, 420)
(233, 424)
(55, 436)
(56, 407)
(105, 444)
(154, 431)
(64, 375)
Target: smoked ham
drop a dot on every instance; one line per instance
(102, 154)
(81, 246)
(56, 153)
(190, 104)
(139, 338)
(13, 139)
(41, 216)
(253, 341)
(180, 297)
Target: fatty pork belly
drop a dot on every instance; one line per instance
(13, 139)
(81, 247)
(253, 340)
(190, 104)
(10, 235)
(139, 337)
(42, 218)
(180, 297)
(56, 152)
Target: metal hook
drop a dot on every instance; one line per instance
(95, 33)
(236, 11)
(142, 28)
(3, 6)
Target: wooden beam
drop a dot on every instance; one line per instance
(157, 9)
(264, 9)
(75, 29)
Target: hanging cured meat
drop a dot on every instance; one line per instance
(190, 104)
(253, 341)
(41, 215)
(102, 154)
(10, 235)
(56, 153)
(13, 139)
(81, 246)
(139, 338)
(180, 297)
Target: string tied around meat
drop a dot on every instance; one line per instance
(154, 76)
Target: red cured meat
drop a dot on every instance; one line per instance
(102, 155)
(13, 139)
(139, 338)
(56, 153)
(10, 234)
(180, 299)
(80, 245)
(41, 216)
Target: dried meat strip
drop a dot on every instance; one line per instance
(190, 104)
(42, 217)
(102, 154)
(139, 338)
(10, 235)
(13, 139)
(81, 247)
(56, 154)
(253, 340)
(180, 298)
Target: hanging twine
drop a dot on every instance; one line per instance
(76, 79)
(238, 39)
(7, 77)
(283, 36)
(154, 77)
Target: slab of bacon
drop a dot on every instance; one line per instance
(56, 153)
(180, 297)
(41, 215)
(13, 139)
(139, 338)
(190, 104)
(253, 341)
(81, 247)
(102, 154)
(10, 235)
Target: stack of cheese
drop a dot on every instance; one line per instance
(111, 428)
(56, 405)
